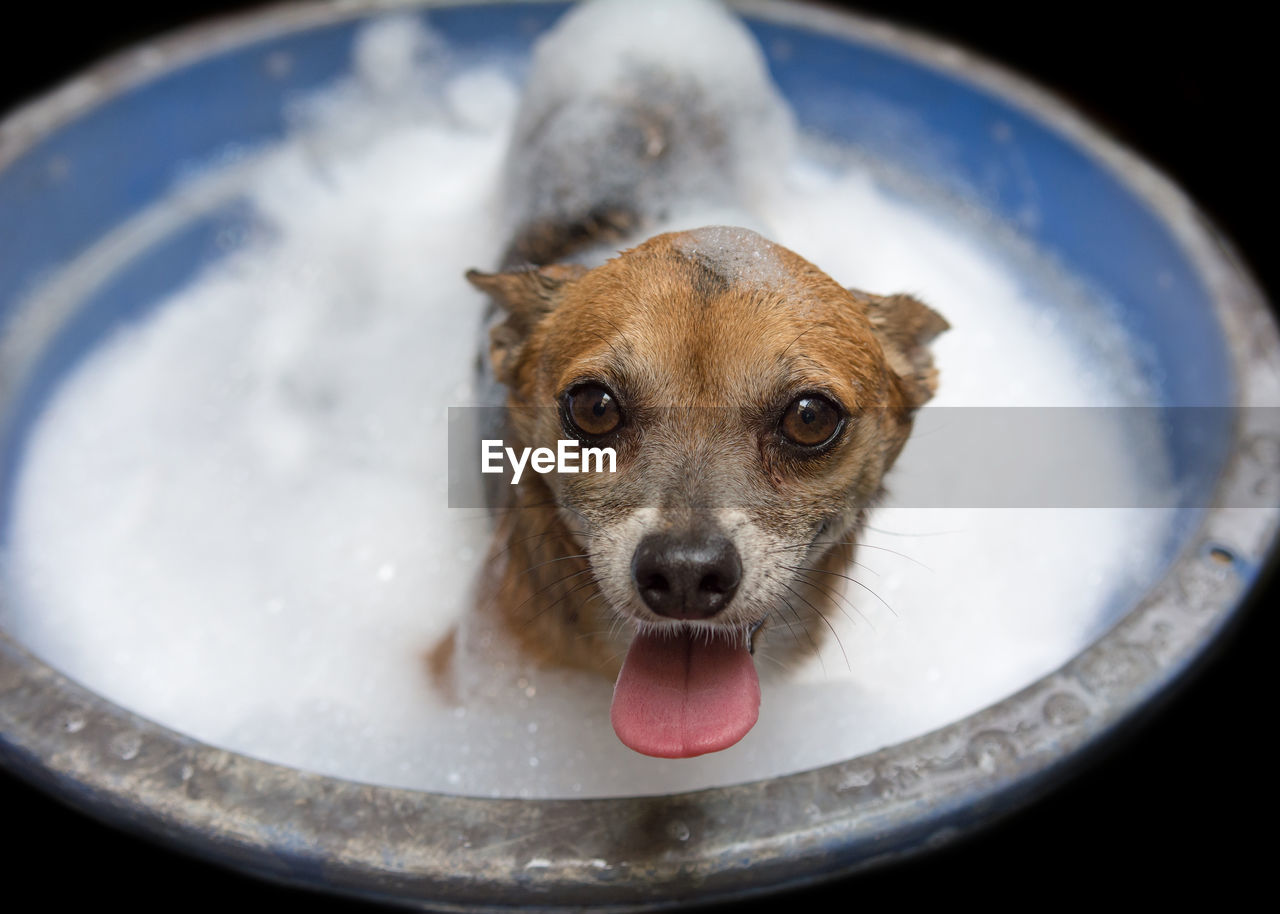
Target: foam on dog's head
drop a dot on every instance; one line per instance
(738, 254)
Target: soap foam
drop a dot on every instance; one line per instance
(740, 255)
(231, 517)
(667, 106)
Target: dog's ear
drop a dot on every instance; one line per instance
(526, 296)
(905, 326)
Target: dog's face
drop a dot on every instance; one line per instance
(754, 405)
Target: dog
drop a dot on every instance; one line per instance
(753, 403)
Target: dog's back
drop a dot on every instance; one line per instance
(625, 130)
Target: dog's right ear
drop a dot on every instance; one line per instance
(526, 296)
(905, 326)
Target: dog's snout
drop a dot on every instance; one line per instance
(691, 575)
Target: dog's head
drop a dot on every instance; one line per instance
(754, 405)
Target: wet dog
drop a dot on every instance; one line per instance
(753, 403)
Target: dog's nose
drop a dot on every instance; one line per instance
(689, 575)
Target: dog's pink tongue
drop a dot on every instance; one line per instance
(678, 696)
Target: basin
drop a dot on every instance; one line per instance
(1102, 213)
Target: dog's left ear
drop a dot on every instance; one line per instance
(526, 296)
(905, 326)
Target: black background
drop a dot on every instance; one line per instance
(1183, 802)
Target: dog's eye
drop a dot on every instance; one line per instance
(811, 420)
(592, 410)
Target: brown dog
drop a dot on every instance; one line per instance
(754, 405)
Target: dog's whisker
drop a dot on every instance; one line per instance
(608, 632)
(615, 657)
(776, 661)
(564, 596)
(857, 543)
(839, 595)
(823, 617)
(811, 570)
(791, 630)
(553, 533)
(803, 627)
(920, 534)
(808, 544)
(597, 595)
(822, 664)
(563, 558)
(894, 552)
(565, 533)
(543, 590)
